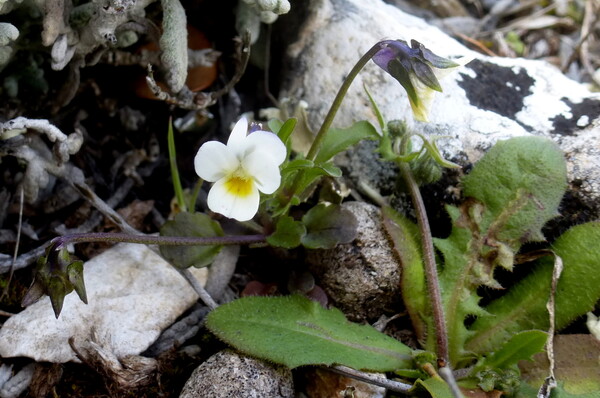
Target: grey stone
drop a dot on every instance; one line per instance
(229, 374)
(362, 278)
(133, 295)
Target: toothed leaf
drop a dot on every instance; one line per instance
(524, 306)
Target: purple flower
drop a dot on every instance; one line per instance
(417, 69)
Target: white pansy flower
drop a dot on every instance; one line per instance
(249, 163)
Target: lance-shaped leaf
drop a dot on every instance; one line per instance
(296, 331)
(521, 346)
(338, 140)
(404, 236)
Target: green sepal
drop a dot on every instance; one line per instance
(75, 275)
(399, 72)
(57, 274)
(57, 287)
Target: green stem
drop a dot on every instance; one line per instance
(335, 106)
(433, 284)
(195, 193)
(115, 237)
(337, 102)
(174, 170)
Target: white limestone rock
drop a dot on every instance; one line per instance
(488, 100)
(133, 295)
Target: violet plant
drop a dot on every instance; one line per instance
(510, 194)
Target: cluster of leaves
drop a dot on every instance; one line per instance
(510, 194)
(323, 226)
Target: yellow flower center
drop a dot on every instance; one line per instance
(238, 185)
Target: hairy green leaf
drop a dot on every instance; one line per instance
(404, 236)
(512, 192)
(524, 306)
(521, 346)
(190, 224)
(520, 182)
(328, 225)
(296, 331)
(338, 140)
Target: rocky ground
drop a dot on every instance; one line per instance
(90, 155)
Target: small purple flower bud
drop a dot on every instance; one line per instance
(416, 68)
(254, 126)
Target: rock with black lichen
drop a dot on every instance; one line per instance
(489, 99)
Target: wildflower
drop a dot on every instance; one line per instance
(417, 69)
(249, 163)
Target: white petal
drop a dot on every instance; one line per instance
(214, 160)
(238, 136)
(222, 201)
(267, 143)
(264, 170)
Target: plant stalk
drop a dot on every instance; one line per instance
(370, 378)
(116, 237)
(433, 285)
(335, 106)
(337, 102)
